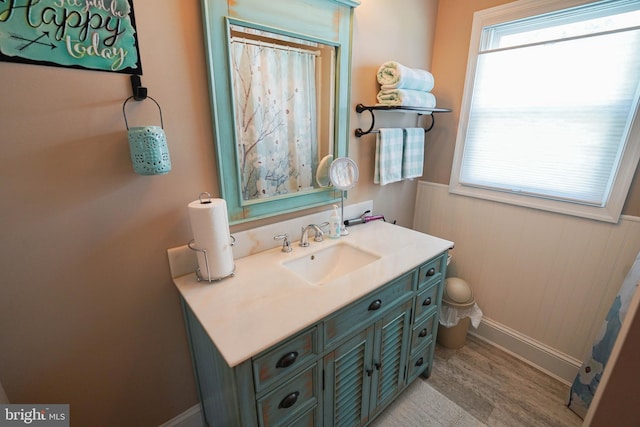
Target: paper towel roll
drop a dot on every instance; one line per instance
(210, 228)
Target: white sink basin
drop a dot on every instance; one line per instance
(330, 263)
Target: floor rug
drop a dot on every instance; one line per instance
(420, 405)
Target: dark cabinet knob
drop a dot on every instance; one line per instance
(427, 301)
(377, 365)
(375, 305)
(423, 333)
(431, 272)
(419, 362)
(287, 360)
(289, 400)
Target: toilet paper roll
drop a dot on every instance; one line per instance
(210, 228)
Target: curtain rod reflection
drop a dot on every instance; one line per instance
(274, 46)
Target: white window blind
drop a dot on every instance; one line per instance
(549, 109)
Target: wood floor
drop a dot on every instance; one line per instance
(499, 389)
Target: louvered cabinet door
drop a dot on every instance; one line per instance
(367, 371)
(348, 372)
(390, 356)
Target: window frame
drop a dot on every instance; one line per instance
(612, 208)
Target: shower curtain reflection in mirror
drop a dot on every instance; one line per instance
(275, 113)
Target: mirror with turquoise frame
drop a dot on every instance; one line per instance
(275, 131)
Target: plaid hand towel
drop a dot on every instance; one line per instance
(388, 161)
(413, 153)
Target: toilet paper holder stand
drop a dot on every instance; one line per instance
(208, 277)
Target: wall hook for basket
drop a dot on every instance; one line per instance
(139, 92)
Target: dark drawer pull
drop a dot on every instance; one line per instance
(427, 301)
(375, 305)
(290, 400)
(431, 272)
(419, 362)
(287, 360)
(423, 333)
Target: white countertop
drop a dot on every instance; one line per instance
(263, 303)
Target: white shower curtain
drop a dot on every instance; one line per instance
(275, 113)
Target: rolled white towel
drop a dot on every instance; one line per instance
(393, 75)
(406, 98)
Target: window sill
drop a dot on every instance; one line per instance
(610, 213)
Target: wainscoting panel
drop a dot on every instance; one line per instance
(551, 278)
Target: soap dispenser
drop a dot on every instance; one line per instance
(334, 223)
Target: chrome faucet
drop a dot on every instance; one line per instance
(304, 240)
(286, 245)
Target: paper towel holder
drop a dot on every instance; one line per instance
(208, 277)
(205, 198)
(203, 195)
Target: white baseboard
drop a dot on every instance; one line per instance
(192, 417)
(550, 361)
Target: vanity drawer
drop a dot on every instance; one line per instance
(290, 401)
(285, 359)
(311, 418)
(365, 310)
(422, 333)
(419, 362)
(432, 271)
(426, 301)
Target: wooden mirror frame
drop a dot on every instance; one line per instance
(327, 20)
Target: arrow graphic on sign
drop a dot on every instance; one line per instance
(34, 41)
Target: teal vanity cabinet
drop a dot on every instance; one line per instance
(342, 370)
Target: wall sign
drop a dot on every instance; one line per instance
(87, 34)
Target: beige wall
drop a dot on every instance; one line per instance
(450, 51)
(88, 313)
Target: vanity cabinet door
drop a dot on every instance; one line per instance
(366, 372)
(348, 371)
(390, 356)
